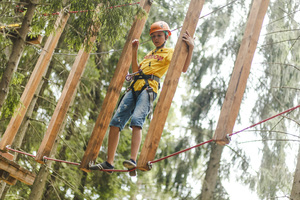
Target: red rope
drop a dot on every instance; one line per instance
(211, 140)
(46, 158)
(117, 170)
(163, 158)
(63, 161)
(286, 111)
(176, 153)
(27, 154)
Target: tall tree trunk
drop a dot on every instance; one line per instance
(22, 132)
(78, 195)
(212, 171)
(61, 155)
(16, 52)
(295, 193)
(39, 184)
(24, 126)
(41, 178)
(4, 188)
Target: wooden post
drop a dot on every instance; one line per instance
(35, 78)
(12, 170)
(169, 86)
(241, 72)
(66, 97)
(113, 91)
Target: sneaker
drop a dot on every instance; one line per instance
(130, 165)
(105, 165)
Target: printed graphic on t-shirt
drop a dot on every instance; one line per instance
(156, 57)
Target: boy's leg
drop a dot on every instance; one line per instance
(135, 141)
(135, 145)
(117, 123)
(113, 141)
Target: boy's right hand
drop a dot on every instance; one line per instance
(135, 44)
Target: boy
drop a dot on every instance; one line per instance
(137, 102)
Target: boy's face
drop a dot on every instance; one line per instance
(158, 38)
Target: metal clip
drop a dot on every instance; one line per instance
(91, 163)
(149, 165)
(228, 138)
(129, 77)
(149, 89)
(44, 159)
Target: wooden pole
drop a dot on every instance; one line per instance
(241, 72)
(35, 78)
(113, 91)
(169, 86)
(57, 119)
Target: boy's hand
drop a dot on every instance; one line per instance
(188, 39)
(135, 44)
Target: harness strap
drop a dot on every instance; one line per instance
(151, 98)
(143, 76)
(147, 87)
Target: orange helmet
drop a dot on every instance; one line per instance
(160, 26)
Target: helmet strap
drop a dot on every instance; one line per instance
(161, 46)
(166, 32)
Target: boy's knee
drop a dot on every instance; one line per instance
(136, 127)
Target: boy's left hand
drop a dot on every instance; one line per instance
(188, 39)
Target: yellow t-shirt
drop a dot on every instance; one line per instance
(156, 63)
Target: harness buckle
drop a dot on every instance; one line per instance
(149, 89)
(151, 77)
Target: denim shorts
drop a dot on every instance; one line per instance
(138, 110)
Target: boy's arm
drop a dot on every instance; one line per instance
(135, 46)
(190, 45)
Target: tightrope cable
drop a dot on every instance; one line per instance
(45, 157)
(163, 158)
(286, 111)
(211, 140)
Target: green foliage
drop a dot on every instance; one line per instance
(277, 92)
(13, 98)
(113, 23)
(171, 178)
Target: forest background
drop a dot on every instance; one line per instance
(261, 162)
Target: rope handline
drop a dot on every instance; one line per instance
(211, 140)
(106, 52)
(82, 11)
(219, 8)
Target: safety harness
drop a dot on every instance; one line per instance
(149, 89)
(140, 75)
